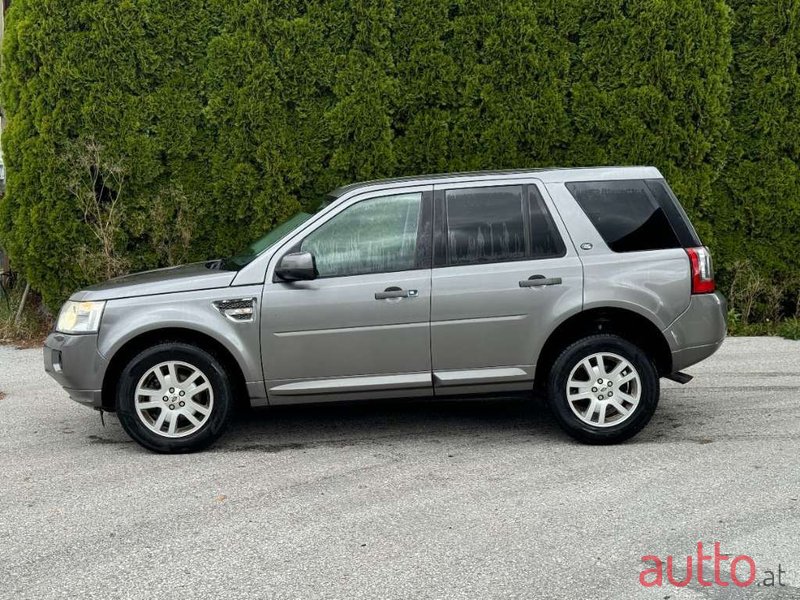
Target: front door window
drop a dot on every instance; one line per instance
(378, 235)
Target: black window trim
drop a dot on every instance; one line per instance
(441, 250)
(548, 215)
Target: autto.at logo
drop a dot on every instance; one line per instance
(706, 570)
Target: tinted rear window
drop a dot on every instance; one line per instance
(675, 213)
(628, 215)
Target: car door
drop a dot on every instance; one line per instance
(362, 328)
(505, 272)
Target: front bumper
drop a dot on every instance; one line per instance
(699, 331)
(75, 363)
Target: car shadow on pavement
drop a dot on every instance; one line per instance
(495, 420)
(279, 428)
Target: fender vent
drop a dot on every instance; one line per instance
(240, 311)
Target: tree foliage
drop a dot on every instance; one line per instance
(223, 118)
(758, 213)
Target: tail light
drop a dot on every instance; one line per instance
(702, 270)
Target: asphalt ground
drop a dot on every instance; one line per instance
(422, 499)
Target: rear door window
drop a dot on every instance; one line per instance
(485, 224)
(627, 214)
(494, 224)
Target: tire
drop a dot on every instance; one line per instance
(621, 403)
(200, 402)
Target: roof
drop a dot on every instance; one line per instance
(547, 175)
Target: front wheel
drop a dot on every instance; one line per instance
(174, 397)
(603, 389)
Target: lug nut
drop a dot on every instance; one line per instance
(599, 381)
(610, 394)
(166, 398)
(182, 403)
(600, 397)
(593, 389)
(172, 407)
(610, 383)
(171, 390)
(182, 393)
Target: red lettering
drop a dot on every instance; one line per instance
(671, 576)
(657, 571)
(700, 558)
(717, 559)
(750, 563)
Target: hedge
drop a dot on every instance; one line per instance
(758, 213)
(203, 124)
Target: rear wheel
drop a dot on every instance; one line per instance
(174, 397)
(603, 389)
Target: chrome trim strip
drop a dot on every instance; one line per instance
(352, 384)
(471, 376)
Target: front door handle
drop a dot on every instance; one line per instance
(395, 292)
(539, 281)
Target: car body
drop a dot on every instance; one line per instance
(445, 286)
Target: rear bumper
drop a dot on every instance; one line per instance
(691, 356)
(699, 331)
(75, 363)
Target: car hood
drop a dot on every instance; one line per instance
(183, 278)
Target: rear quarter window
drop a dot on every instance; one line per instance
(628, 216)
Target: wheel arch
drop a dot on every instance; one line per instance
(142, 340)
(625, 323)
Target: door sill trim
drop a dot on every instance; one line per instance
(361, 383)
(482, 375)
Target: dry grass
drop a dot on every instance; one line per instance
(29, 334)
(33, 327)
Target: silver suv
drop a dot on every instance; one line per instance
(588, 284)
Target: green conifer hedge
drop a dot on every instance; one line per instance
(147, 132)
(757, 213)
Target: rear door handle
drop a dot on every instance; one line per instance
(539, 281)
(395, 292)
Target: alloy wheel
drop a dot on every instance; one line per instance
(603, 389)
(174, 399)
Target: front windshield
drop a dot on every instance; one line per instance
(245, 257)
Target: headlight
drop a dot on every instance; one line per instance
(80, 317)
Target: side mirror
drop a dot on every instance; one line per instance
(298, 266)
